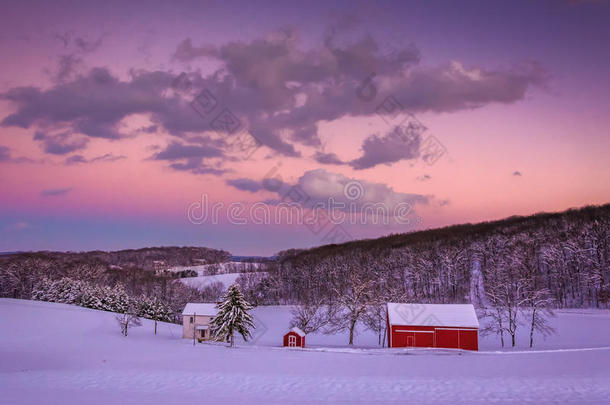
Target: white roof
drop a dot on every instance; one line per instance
(456, 315)
(298, 331)
(200, 309)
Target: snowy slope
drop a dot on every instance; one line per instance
(60, 354)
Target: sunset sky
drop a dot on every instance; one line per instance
(101, 146)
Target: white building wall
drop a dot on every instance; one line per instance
(189, 322)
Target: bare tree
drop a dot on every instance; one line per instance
(375, 319)
(514, 305)
(540, 304)
(212, 269)
(127, 319)
(310, 316)
(375, 316)
(352, 304)
(212, 292)
(507, 298)
(88, 272)
(17, 279)
(496, 315)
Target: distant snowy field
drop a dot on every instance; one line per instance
(61, 354)
(221, 268)
(200, 282)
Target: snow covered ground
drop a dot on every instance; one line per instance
(61, 354)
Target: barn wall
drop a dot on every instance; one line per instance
(429, 336)
(417, 336)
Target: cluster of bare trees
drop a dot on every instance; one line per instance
(515, 302)
(352, 294)
(360, 300)
(515, 271)
(311, 316)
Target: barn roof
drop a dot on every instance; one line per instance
(456, 315)
(298, 331)
(200, 309)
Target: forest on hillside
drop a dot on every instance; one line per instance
(150, 258)
(515, 271)
(95, 279)
(566, 255)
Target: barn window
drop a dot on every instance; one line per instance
(191, 319)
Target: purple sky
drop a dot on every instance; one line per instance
(500, 108)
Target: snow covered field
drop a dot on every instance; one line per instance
(60, 354)
(221, 268)
(200, 282)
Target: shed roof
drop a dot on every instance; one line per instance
(456, 315)
(198, 308)
(297, 330)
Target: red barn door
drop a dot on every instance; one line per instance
(292, 341)
(469, 339)
(424, 339)
(399, 338)
(448, 338)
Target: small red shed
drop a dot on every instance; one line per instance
(453, 326)
(294, 338)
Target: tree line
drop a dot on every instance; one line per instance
(511, 270)
(25, 275)
(150, 258)
(105, 298)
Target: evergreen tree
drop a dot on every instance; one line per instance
(232, 317)
(91, 297)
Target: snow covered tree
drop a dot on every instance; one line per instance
(232, 317)
(115, 299)
(91, 297)
(152, 308)
(40, 291)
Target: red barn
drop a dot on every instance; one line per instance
(294, 338)
(453, 326)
